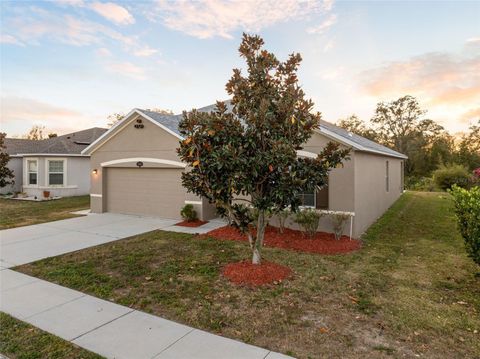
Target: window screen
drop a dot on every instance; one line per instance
(55, 172)
(32, 169)
(307, 199)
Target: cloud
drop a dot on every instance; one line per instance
(471, 115)
(324, 26)
(21, 114)
(127, 69)
(211, 18)
(9, 39)
(447, 84)
(31, 28)
(113, 12)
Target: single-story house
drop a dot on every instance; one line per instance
(135, 169)
(55, 164)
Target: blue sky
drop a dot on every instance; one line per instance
(68, 64)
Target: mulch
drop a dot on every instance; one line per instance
(254, 275)
(196, 223)
(322, 242)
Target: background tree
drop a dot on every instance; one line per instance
(6, 174)
(245, 161)
(468, 152)
(114, 118)
(52, 135)
(355, 125)
(36, 133)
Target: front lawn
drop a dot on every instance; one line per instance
(17, 213)
(21, 340)
(409, 291)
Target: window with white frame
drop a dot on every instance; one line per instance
(56, 172)
(307, 199)
(32, 172)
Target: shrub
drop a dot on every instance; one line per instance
(282, 219)
(421, 184)
(308, 219)
(447, 176)
(467, 210)
(338, 221)
(188, 213)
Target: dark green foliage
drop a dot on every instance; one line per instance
(447, 176)
(467, 209)
(247, 157)
(188, 213)
(308, 219)
(6, 174)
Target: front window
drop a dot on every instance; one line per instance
(32, 172)
(307, 199)
(55, 172)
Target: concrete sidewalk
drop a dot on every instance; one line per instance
(31, 243)
(106, 328)
(109, 329)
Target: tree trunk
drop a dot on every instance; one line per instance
(257, 246)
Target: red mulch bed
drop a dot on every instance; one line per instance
(196, 223)
(253, 275)
(324, 243)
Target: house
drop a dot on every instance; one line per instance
(136, 170)
(55, 164)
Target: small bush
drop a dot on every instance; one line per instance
(188, 213)
(467, 210)
(308, 219)
(447, 176)
(282, 219)
(426, 184)
(338, 221)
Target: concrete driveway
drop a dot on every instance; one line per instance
(28, 244)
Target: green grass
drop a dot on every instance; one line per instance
(16, 213)
(19, 340)
(410, 290)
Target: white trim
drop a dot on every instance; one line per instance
(143, 159)
(26, 177)
(355, 145)
(193, 202)
(49, 154)
(50, 187)
(123, 123)
(301, 153)
(47, 173)
(95, 195)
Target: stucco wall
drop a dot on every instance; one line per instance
(130, 142)
(371, 196)
(15, 164)
(76, 172)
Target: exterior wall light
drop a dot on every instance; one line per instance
(95, 171)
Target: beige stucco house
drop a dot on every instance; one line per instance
(135, 169)
(55, 164)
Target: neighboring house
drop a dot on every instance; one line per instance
(136, 170)
(54, 164)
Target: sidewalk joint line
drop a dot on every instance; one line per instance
(102, 325)
(175, 342)
(55, 306)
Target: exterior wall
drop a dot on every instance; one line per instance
(130, 142)
(76, 177)
(15, 164)
(371, 197)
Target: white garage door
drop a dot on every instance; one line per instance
(146, 191)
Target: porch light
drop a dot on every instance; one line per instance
(94, 171)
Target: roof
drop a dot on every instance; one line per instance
(358, 143)
(72, 143)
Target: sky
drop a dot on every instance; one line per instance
(68, 64)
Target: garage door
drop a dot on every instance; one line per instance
(146, 191)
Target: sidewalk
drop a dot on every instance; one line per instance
(103, 327)
(109, 329)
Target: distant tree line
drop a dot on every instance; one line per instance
(402, 126)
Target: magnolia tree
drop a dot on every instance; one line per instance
(6, 174)
(243, 159)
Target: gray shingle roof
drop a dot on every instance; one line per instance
(357, 142)
(71, 143)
